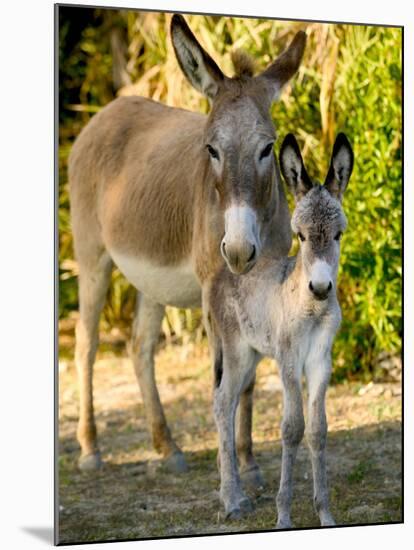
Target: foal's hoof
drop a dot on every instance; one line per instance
(244, 507)
(284, 524)
(176, 463)
(90, 462)
(252, 479)
(327, 520)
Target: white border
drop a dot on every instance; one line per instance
(26, 273)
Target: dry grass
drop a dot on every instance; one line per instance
(133, 497)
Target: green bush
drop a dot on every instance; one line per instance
(349, 80)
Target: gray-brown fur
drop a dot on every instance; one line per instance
(147, 197)
(244, 64)
(285, 308)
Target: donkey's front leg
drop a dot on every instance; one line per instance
(318, 374)
(293, 426)
(228, 384)
(145, 335)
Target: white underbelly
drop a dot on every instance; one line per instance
(169, 285)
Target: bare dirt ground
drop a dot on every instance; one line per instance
(134, 497)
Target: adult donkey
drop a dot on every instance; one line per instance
(169, 195)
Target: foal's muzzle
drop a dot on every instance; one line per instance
(320, 292)
(320, 279)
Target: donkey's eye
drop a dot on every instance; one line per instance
(266, 151)
(301, 237)
(213, 152)
(338, 236)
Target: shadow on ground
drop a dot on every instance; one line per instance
(137, 499)
(133, 497)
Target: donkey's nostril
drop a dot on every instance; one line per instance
(311, 286)
(252, 255)
(329, 286)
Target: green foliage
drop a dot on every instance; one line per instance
(349, 80)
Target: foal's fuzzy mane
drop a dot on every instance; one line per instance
(318, 206)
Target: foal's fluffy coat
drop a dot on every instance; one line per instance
(285, 308)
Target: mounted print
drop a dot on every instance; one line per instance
(230, 273)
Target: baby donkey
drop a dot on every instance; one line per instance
(287, 309)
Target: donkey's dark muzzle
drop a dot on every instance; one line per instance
(240, 259)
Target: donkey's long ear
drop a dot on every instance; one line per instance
(293, 169)
(340, 169)
(285, 66)
(200, 69)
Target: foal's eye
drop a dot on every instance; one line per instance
(338, 236)
(213, 152)
(301, 237)
(266, 151)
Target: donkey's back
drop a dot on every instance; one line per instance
(136, 161)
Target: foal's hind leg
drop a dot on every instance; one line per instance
(145, 335)
(94, 279)
(249, 470)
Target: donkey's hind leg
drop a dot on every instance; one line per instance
(94, 279)
(145, 335)
(250, 473)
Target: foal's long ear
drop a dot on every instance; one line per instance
(285, 66)
(293, 169)
(200, 69)
(340, 169)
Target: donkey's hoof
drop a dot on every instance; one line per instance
(176, 463)
(252, 479)
(90, 462)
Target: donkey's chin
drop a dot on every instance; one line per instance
(241, 270)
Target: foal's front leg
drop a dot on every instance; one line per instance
(293, 427)
(228, 384)
(318, 372)
(249, 469)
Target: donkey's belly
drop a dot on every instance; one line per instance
(174, 285)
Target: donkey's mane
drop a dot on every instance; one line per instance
(244, 65)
